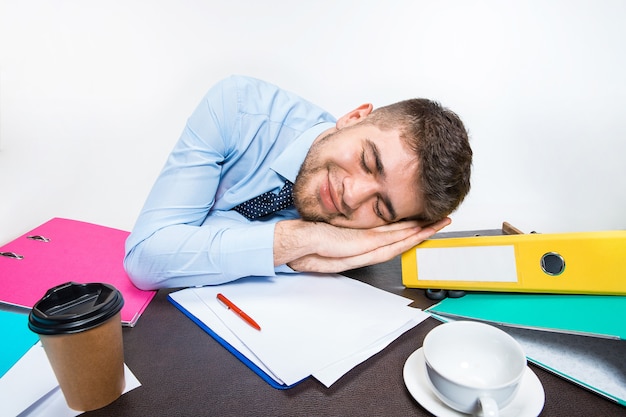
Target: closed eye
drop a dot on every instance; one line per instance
(377, 210)
(371, 153)
(364, 163)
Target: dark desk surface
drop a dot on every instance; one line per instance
(184, 372)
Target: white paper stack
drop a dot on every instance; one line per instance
(311, 324)
(30, 389)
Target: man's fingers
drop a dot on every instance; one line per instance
(406, 224)
(433, 228)
(353, 242)
(334, 264)
(437, 226)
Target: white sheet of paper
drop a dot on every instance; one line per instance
(194, 304)
(467, 263)
(309, 322)
(327, 376)
(30, 379)
(334, 372)
(30, 388)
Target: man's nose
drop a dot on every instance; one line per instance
(358, 190)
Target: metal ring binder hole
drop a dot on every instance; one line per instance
(39, 238)
(11, 255)
(552, 263)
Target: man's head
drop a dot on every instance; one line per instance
(408, 160)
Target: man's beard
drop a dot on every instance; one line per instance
(306, 203)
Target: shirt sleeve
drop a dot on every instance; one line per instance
(174, 243)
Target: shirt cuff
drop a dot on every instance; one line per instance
(248, 251)
(284, 268)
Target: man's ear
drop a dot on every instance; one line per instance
(355, 116)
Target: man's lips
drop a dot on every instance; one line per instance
(326, 197)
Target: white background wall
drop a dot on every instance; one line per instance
(93, 94)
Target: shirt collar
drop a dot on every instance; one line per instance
(288, 163)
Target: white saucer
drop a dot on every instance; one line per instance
(527, 403)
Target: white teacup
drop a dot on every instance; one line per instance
(473, 367)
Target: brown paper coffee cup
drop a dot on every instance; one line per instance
(80, 329)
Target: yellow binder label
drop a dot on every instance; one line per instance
(473, 263)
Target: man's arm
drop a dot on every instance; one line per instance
(177, 241)
(186, 234)
(320, 247)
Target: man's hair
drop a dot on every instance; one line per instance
(440, 141)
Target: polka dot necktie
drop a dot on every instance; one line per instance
(266, 203)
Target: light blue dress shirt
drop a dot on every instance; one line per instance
(246, 137)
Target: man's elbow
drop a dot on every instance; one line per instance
(138, 275)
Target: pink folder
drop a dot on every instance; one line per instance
(63, 250)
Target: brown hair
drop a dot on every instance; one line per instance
(441, 144)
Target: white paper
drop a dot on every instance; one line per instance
(310, 324)
(470, 263)
(334, 372)
(30, 388)
(30, 379)
(194, 304)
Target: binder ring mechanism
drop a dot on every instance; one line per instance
(14, 255)
(38, 238)
(11, 255)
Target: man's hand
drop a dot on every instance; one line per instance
(320, 247)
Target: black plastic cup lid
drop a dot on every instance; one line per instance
(72, 308)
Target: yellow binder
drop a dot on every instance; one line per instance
(574, 263)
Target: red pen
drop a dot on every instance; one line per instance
(229, 304)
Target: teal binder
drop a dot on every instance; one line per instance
(592, 315)
(16, 338)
